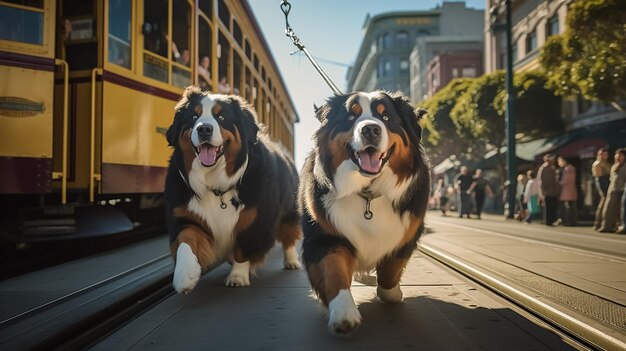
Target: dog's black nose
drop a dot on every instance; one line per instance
(371, 132)
(205, 130)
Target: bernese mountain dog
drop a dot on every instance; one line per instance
(230, 192)
(363, 195)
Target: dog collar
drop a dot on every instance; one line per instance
(221, 193)
(368, 196)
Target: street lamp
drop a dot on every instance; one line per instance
(511, 160)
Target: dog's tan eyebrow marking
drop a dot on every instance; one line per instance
(356, 108)
(217, 108)
(380, 108)
(198, 109)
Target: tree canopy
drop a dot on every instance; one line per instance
(589, 58)
(443, 137)
(467, 116)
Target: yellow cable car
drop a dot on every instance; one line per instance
(87, 91)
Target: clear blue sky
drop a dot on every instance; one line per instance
(330, 29)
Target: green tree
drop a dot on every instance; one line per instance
(589, 58)
(441, 133)
(476, 112)
(481, 110)
(537, 107)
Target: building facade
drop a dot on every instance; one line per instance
(458, 56)
(448, 65)
(383, 60)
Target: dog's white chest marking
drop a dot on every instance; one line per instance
(376, 237)
(373, 238)
(208, 205)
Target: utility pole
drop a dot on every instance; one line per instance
(511, 159)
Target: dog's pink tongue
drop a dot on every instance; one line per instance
(370, 162)
(208, 154)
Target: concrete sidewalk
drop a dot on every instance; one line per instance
(441, 311)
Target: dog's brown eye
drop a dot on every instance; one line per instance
(350, 117)
(220, 117)
(385, 118)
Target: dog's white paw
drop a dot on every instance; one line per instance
(393, 295)
(344, 315)
(187, 271)
(291, 260)
(239, 274)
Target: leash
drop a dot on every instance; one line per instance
(285, 6)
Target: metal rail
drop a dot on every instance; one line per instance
(93, 177)
(63, 174)
(574, 328)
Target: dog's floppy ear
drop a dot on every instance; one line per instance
(190, 93)
(321, 113)
(173, 131)
(332, 105)
(410, 116)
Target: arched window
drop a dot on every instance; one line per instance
(386, 41)
(553, 25)
(531, 41)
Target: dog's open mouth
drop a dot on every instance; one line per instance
(209, 154)
(370, 160)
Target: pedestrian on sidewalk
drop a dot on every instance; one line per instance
(569, 193)
(601, 170)
(622, 229)
(441, 196)
(462, 182)
(519, 197)
(611, 213)
(481, 188)
(549, 189)
(531, 196)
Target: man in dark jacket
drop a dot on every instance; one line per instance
(550, 189)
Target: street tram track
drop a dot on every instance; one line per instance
(570, 326)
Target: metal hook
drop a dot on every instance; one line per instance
(368, 213)
(221, 196)
(285, 6)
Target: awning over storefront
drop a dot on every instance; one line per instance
(585, 142)
(444, 166)
(525, 152)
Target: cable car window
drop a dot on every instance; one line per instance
(223, 13)
(155, 29)
(21, 24)
(237, 33)
(205, 40)
(80, 40)
(248, 85)
(247, 49)
(224, 84)
(119, 32)
(237, 68)
(181, 77)
(206, 6)
(181, 40)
